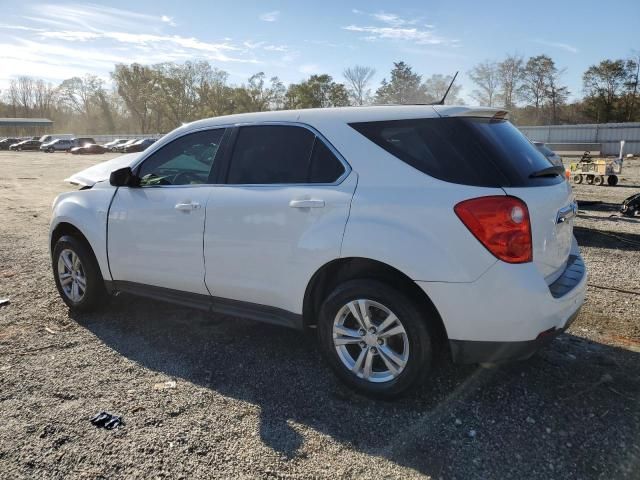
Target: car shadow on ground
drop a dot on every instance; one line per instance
(588, 237)
(570, 411)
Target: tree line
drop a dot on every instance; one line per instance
(158, 98)
(532, 89)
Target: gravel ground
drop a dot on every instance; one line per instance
(255, 401)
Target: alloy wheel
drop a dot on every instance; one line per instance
(72, 276)
(370, 340)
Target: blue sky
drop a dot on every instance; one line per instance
(292, 39)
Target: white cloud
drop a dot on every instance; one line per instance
(92, 17)
(389, 18)
(270, 16)
(563, 46)
(168, 20)
(391, 26)
(409, 34)
(265, 46)
(70, 36)
(55, 43)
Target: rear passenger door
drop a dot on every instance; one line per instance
(278, 215)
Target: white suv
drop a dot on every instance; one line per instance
(394, 231)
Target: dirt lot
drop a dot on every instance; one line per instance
(256, 401)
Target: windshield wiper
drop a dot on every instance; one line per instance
(553, 171)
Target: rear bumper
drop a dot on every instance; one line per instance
(510, 311)
(469, 351)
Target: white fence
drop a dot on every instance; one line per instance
(607, 135)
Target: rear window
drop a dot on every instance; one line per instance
(472, 151)
(545, 150)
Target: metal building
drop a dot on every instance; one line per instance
(24, 126)
(604, 137)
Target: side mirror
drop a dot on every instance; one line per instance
(124, 177)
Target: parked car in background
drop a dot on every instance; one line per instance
(55, 136)
(393, 231)
(5, 143)
(114, 143)
(26, 145)
(81, 141)
(58, 145)
(120, 148)
(88, 148)
(552, 156)
(139, 146)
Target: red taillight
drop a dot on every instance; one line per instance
(501, 224)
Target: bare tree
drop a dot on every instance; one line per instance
(25, 87)
(358, 79)
(535, 85)
(45, 96)
(12, 97)
(436, 86)
(81, 94)
(510, 72)
(485, 76)
(556, 94)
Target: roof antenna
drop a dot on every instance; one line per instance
(441, 102)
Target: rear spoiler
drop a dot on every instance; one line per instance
(483, 112)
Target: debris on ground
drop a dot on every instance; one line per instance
(169, 384)
(107, 420)
(4, 301)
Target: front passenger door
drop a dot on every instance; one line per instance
(156, 230)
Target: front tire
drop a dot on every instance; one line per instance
(375, 338)
(77, 275)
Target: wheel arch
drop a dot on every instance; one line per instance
(66, 228)
(337, 271)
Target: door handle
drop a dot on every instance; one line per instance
(187, 207)
(309, 203)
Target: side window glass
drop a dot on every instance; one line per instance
(271, 154)
(185, 161)
(325, 167)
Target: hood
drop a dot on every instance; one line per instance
(101, 171)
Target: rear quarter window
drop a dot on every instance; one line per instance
(465, 150)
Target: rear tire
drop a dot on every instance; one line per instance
(389, 357)
(598, 180)
(590, 179)
(577, 179)
(77, 275)
(612, 180)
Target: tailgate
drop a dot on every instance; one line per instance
(552, 211)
